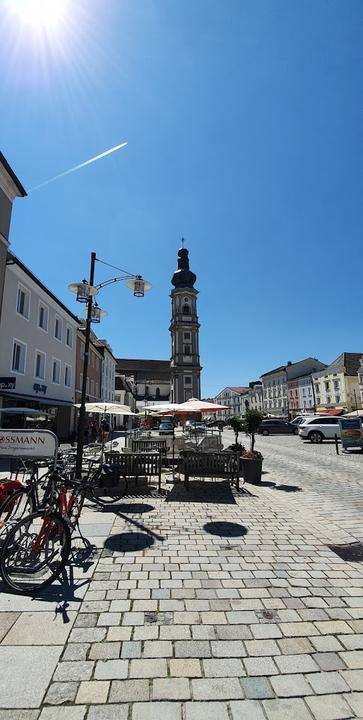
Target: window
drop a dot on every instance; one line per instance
(91, 386)
(56, 367)
(186, 336)
(327, 385)
(43, 317)
(186, 310)
(67, 375)
(157, 393)
(337, 398)
(82, 351)
(23, 302)
(58, 328)
(336, 385)
(19, 357)
(96, 390)
(39, 371)
(69, 337)
(188, 380)
(186, 350)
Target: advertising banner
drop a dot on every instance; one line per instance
(351, 432)
(28, 444)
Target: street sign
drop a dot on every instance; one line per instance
(28, 444)
(351, 432)
(7, 383)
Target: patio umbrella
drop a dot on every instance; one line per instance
(355, 413)
(202, 406)
(107, 408)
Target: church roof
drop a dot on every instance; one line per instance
(183, 276)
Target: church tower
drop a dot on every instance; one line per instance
(184, 328)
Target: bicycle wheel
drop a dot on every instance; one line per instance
(35, 552)
(15, 507)
(104, 491)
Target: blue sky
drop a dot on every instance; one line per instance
(244, 128)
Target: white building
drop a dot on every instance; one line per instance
(10, 188)
(234, 398)
(108, 369)
(360, 380)
(38, 349)
(255, 396)
(275, 383)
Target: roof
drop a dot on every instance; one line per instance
(348, 362)
(10, 172)
(14, 260)
(136, 364)
(275, 370)
(239, 389)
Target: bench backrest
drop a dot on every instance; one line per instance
(135, 463)
(213, 464)
(147, 444)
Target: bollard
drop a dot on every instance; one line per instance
(336, 443)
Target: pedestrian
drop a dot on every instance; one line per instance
(86, 435)
(94, 431)
(105, 426)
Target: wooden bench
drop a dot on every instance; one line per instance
(211, 465)
(136, 464)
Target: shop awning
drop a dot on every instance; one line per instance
(332, 411)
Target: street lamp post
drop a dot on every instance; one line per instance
(86, 293)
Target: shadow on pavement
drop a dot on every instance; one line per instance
(225, 529)
(128, 542)
(202, 492)
(288, 488)
(132, 508)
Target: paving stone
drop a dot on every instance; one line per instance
(291, 685)
(333, 627)
(35, 666)
(93, 691)
(354, 678)
(298, 629)
(260, 666)
(123, 691)
(19, 714)
(235, 632)
(76, 651)
(192, 648)
(296, 663)
(108, 712)
(329, 707)
(115, 634)
(156, 710)
(246, 710)
(61, 692)
(329, 661)
(352, 642)
(111, 669)
(227, 648)
(265, 631)
(295, 646)
(185, 667)
(257, 688)
(171, 689)
(7, 619)
(86, 620)
(327, 643)
(75, 712)
(353, 659)
(158, 648)
(206, 711)
(105, 651)
(262, 647)
(39, 628)
(87, 635)
(216, 689)
(66, 671)
(226, 667)
(355, 700)
(327, 682)
(148, 668)
(286, 709)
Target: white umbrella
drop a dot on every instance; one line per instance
(194, 405)
(162, 408)
(107, 408)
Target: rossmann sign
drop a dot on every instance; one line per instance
(28, 443)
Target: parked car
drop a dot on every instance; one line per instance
(220, 424)
(277, 427)
(317, 429)
(300, 419)
(166, 428)
(197, 427)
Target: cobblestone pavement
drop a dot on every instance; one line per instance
(203, 605)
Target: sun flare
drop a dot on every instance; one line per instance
(40, 16)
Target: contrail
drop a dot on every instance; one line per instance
(78, 167)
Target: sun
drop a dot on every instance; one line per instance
(39, 16)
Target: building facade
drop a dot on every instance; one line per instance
(337, 387)
(10, 188)
(360, 381)
(94, 373)
(184, 329)
(150, 379)
(255, 395)
(234, 397)
(108, 368)
(276, 393)
(38, 349)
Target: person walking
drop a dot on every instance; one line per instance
(105, 426)
(94, 431)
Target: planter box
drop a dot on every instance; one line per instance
(252, 470)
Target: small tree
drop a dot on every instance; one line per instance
(237, 426)
(250, 424)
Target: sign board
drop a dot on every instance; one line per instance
(28, 444)
(351, 432)
(7, 383)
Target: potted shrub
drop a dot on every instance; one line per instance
(251, 459)
(237, 426)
